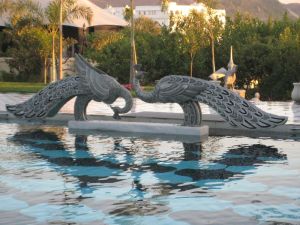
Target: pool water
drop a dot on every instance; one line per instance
(49, 176)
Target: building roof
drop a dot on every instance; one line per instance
(123, 3)
(100, 16)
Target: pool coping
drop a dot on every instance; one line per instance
(217, 126)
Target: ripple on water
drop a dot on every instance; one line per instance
(51, 176)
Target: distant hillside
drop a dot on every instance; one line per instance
(262, 9)
(294, 8)
(122, 3)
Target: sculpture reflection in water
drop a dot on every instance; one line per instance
(126, 164)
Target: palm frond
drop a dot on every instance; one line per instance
(71, 11)
(17, 10)
(78, 11)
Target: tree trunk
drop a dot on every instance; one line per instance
(45, 70)
(133, 59)
(213, 55)
(53, 75)
(191, 65)
(60, 41)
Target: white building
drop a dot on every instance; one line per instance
(155, 13)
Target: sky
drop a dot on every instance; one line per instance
(289, 1)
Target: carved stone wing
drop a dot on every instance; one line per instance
(170, 88)
(220, 73)
(98, 81)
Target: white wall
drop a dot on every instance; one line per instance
(154, 11)
(3, 65)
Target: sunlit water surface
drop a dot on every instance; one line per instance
(49, 176)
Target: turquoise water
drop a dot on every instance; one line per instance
(48, 176)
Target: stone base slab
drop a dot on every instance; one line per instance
(157, 129)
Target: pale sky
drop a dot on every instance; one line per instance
(290, 1)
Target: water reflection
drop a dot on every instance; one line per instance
(146, 177)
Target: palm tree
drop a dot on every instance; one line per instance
(192, 34)
(31, 9)
(15, 10)
(164, 5)
(24, 16)
(213, 25)
(133, 60)
(59, 11)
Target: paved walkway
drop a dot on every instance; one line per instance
(289, 109)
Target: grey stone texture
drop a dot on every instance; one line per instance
(189, 91)
(89, 84)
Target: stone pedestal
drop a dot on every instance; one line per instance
(296, 92)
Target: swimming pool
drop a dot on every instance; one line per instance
(49, 176)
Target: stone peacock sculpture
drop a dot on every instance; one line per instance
(90, 84)
(187, 92)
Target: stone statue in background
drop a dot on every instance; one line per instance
(188, 91)
(229, 74)
(256, 97)
(89, 84)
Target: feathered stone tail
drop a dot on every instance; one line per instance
(236, 110)
(47, 102)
